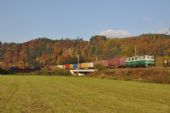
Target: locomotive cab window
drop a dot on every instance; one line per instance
(128, 59)
(152, 57)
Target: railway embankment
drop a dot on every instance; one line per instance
(154, 74)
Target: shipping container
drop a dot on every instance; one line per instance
(71, 66)
(90, 65)
(75, 66)
(60, 66)
(84, 65)
(67, 66)
(80, 66)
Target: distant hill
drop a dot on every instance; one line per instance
(43, 51)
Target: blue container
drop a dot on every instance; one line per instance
(75, 66)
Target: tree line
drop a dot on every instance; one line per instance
(43, 51)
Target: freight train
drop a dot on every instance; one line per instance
(135, 61)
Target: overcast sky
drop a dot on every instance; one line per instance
(22, 20)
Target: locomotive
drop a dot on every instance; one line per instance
(140, 61)
(131, 62)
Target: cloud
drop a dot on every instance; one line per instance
(164, 31)
(115, 33)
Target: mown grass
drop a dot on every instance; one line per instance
(53, 94)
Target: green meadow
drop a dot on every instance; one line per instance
(57, 94)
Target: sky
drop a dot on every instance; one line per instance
(23, 20)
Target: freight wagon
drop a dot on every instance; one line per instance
(116, 63)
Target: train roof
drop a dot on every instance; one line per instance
(141, 56)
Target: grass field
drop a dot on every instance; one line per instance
(46, 94)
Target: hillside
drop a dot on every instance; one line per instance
(43, 51)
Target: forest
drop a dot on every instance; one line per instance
(41, 52)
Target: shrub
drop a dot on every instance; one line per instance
(57, 71)
(4, 71)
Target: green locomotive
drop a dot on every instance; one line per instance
(140, 61)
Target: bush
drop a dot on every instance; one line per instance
(4, 71)
(57, 71)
